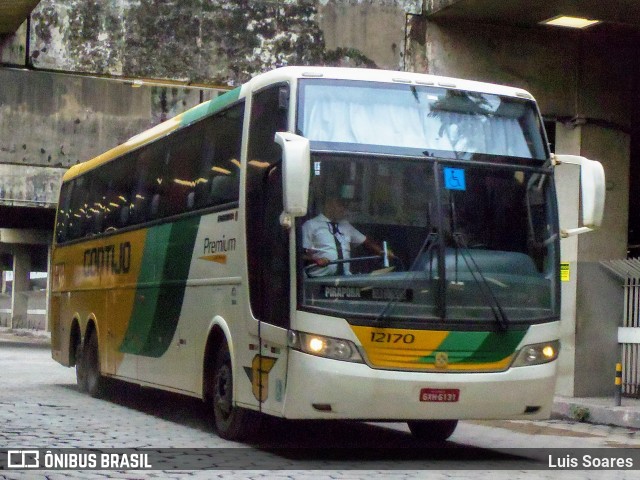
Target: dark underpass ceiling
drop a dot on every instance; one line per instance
(614, 14)
(13, 13)
(36, 218)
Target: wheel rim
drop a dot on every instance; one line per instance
(223, 395)
(92, 366)
(81, 374)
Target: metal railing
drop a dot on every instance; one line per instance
(629, 332)
(12, 202)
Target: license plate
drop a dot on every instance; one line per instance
(439, 394)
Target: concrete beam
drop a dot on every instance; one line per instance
(13, 13)
(25, 236)
(27, 185)
(434, 6)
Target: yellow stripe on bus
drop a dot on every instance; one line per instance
(101, 277)
(426, 350)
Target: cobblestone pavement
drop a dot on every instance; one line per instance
(41, 408)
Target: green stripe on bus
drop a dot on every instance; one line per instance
(497, 346)
(154, 321)
(210, 107)
(478, 347)
(146, 297)
(173, 284)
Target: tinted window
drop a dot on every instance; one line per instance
(218, 180)
(195, 167)
(63, 217)
(78, 205)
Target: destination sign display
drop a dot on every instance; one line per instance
(384, 294)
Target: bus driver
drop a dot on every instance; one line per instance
(329, 236)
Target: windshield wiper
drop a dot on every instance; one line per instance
(483, 284)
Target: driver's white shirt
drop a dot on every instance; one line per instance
(317, 237)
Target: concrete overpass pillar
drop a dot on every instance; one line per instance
(21, 243)
(21, 287)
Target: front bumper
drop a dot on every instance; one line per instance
(320, 388)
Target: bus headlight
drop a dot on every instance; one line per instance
(335, 348)
(537, 354)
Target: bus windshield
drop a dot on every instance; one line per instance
(406, 119)
(466, 242)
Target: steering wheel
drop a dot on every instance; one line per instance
(309, 268)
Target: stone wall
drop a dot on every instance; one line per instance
(217, 42)
(54, 120)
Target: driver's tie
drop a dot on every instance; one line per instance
(334, 231)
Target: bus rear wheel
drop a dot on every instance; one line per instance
(432, 430)
(231, 422)
(81, 374)
(94, 382)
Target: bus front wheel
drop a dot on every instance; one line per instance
(231, 421)
(432, 430)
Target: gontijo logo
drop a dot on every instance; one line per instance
(114, 259)
(216, 250)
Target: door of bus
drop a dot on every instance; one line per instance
(268, 247)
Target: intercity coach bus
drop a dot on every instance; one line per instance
(178, 263)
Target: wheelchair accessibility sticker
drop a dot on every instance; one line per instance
(454, 179)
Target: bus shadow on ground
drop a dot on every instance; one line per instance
(308, 444)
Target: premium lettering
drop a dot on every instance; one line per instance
(219, 246)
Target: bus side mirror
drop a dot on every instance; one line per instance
(296, 171)
(592, 188)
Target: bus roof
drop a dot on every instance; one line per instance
(385, 76)
(281, 75)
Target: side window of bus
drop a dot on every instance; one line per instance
(64, 213)
(181, 171)
(219, 179)
(267, 118)
(145, 196)
(98, 206)
(116, 195)
(78, 208)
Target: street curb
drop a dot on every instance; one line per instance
(600, 411)
(24, 338)
(27, 343)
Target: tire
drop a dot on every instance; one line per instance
(231, 422)
(95, 382)
(81, 374)
(432, 430)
